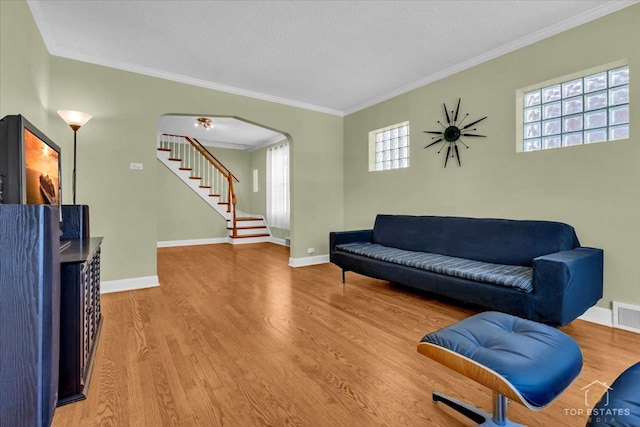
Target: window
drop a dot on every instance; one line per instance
(389, 147)
(579, 110)
(278, 186)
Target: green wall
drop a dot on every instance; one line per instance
(24, 65)
(595, 187)
(125, 108)
(182, 214)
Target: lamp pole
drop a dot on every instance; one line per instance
(75, 120)
(75, 131)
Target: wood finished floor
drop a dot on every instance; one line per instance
(235, 337)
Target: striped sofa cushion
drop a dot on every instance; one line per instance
(513, 276)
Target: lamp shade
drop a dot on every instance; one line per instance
(75, 119)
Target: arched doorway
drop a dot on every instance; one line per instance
(241, 148)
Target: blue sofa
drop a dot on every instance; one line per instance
(531, 269)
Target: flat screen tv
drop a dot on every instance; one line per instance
(30, 164)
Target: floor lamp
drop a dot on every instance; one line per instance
(76, 120)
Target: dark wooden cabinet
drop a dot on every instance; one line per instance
(29, 314)
(80, 316)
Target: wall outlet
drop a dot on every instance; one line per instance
(311, 250)
(136, 166)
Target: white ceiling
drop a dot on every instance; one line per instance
(227, 132)
(336, 57)
(332, 56)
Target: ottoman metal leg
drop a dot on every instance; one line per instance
(498, 418)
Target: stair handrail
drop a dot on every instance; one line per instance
(208, 155)
(220, 167)
(216, 159)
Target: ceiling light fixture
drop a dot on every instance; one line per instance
(204, 122)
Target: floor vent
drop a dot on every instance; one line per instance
(626, 316)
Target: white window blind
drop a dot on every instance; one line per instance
(278, 186)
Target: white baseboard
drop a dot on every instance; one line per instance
(281, 242)
(599, 315)
(308, 260)
(193, 242)
(109, 286)
(249, 240)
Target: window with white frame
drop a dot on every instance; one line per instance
(579, 110)
(389, 147)
(278, 186)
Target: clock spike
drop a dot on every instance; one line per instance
(473, 123)
(433, 143)
(446, 159)
(465, 116)
(452, 133)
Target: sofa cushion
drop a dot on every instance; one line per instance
(512, 276)
(498, 241)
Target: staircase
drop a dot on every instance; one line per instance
(213, 182)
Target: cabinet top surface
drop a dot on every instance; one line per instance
(80, 250)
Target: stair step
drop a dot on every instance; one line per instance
(223, 203)
(248, 227)
(185, 169)
(195, 177)
(205, 186)
(214, 195)
(251, 235)
(165, 149)
(247, 218)
(175, 159)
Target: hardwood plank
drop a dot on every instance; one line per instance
(235, 337)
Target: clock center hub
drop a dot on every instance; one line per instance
(451, 134)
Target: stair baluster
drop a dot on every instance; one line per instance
(216, 181)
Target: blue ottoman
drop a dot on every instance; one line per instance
(518, 359)
(620, 406)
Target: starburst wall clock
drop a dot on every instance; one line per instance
(452, 132)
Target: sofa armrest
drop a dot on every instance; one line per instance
(568, 282)
(342, 237)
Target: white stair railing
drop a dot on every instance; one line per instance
(198, 165)
(213, 182)
(205, 167)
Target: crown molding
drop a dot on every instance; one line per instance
(45, 33)
(583, 18)
(598, 12)
(151, 72)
